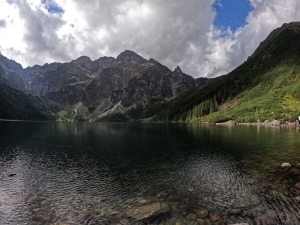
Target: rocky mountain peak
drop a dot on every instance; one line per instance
(130, 56)
(153, 60)
(10, 64)
(82, 59)
(272, 36)
(178, 70)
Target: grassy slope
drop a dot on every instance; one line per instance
(17, 105)
(265, 87)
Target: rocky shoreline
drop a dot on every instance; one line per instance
(275, 123)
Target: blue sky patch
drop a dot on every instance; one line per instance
(231, 13)
(52, 6)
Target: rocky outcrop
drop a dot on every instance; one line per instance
(181, 82)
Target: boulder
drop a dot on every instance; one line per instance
(239, 224)
(235, 211)
(297, 185)
(202, 213)
(148, 211)
(214, 217)
(191, 216)
(275, 123)
(200, 221)
(220, 222)
(286, 165)
(295, 171)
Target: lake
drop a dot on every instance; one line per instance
(133, 173)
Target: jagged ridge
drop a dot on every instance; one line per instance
(87, 89)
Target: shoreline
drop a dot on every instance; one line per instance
(274, 123)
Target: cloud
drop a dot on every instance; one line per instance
(173, 32)
(264, 18)
(2, 23)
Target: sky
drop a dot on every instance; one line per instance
(206, 38)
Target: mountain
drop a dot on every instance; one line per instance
(17, 105)
(92, 90)
(265, 87)
(131, 88)
(10, 73)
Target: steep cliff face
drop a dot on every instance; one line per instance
(152, 82)
(17, 105)
(10, 73)
(64, 83)
(129, 85)
(181, 82)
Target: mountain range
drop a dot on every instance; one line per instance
(131, 88)
(90, 90)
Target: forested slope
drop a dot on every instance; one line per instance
(15, 104)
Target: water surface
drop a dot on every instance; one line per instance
(105, 173)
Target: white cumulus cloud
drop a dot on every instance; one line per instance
(177, 32)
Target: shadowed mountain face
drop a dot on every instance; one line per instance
(89, 89)
(17, 105)
(10, 73)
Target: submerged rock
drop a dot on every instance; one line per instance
(201, 221)
(191, 216)
(84, 213)
(148, 211)
(202, 213)
(286, 165)
(214, 217)
(42, 216)
(295, 171)
(297, 185)
(239, 224)
(220, 222)
(235, 211)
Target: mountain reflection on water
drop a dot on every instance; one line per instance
(127, 173)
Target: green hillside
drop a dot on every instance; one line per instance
(15, 104)
(264, 87)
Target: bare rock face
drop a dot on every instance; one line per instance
(10, 73)
(181, 82)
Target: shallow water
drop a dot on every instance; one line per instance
(116, 173)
